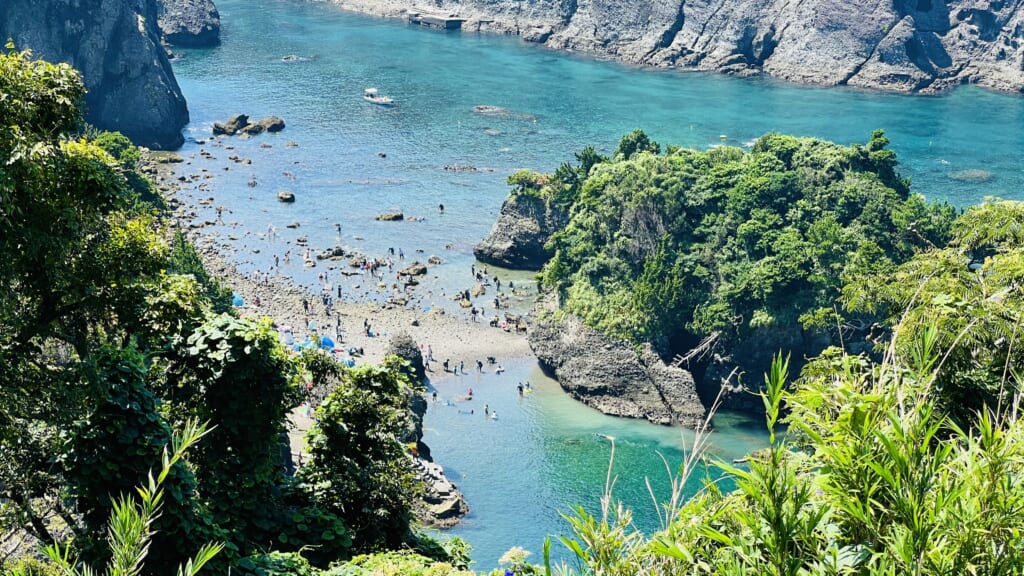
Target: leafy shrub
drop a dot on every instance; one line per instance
(404, 562)
(358, 468)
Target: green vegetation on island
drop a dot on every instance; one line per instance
(689, 244)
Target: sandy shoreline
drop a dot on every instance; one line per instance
(449, 336)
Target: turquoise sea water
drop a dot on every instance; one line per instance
(543, 454)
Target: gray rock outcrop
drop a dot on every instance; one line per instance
(517, 239)
(405, 347)
(190, 23)
(239, 124)
(901, 45)
(116, 47)
(610, 376)
(442, 504)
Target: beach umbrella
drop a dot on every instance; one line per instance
(237, 300)
(327, 343)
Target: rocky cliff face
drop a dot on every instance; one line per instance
(115, 45)
(612, 377)
(517, 239)
(193, 23)
(902, 45)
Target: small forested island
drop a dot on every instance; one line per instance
(143, 421)
(718, 258)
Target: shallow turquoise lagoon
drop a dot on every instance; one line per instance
(544, 454)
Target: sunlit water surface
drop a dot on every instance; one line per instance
(352, 160)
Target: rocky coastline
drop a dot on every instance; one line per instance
(394, 328)
(188, 23)
(518, 238)
(922, 46)
(115, 44)
(612, 377)
(608, 375)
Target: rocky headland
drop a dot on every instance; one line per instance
(116, 46)
(603, 373)
(611, 376)
(899, 45)
(518, 238)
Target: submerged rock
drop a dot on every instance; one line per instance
(971, 175)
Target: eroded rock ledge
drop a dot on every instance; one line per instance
(899, 45)
(517, 239)
(611, 376)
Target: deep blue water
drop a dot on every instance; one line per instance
(543, 455)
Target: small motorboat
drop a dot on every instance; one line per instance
(371, 95)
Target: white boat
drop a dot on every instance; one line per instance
(371, 95)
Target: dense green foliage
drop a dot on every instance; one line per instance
(120, 147)
(80, 257)
(358, 468)
(730, 241)
(118, 445)
(113, 341)
(184, 260)
(971, 292)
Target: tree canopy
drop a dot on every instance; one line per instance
(728, 241)
(114, 342)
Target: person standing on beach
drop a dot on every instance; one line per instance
(305, 306)
(462, 367)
